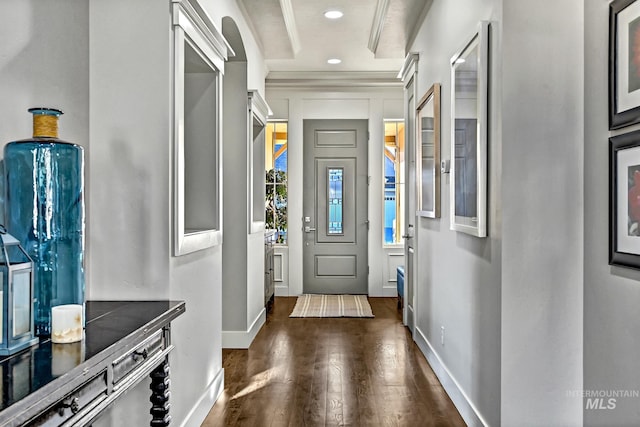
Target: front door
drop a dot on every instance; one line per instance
(335, 219)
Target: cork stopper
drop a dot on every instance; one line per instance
(45, 122)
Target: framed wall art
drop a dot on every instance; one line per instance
(624, 200)
(428, 153)
(624, 63)
(469, 133)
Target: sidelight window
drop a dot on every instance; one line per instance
(394, 137)
(276, 178)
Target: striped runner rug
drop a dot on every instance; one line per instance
(314, 305)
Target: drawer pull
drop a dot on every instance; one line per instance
(72, 403)
(137, 355)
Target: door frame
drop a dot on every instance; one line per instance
(409, 75)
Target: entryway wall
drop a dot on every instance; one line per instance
(348, 102)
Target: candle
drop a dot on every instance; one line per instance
(66, 323)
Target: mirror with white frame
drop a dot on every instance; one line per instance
(469, 96)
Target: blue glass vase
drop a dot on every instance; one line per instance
(45, 212)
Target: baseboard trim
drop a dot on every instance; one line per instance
(466, 408)
(389, 291)
(282, 291)
(243, 339)
(201, 409)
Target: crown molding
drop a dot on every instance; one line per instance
(310, 79)
(378, 24)
(410, 65)
(290, 23)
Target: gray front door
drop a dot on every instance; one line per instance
(335, 207)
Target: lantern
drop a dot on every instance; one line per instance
(16, 296)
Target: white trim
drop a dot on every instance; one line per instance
(392, 274)
(192, 25)
(195, 21)
(282, 291)
(309, 80)
(257, 108)
(465, 407)
(201, 409)
(243, 339)
(389, 292)
(290, 23)
(280, 258)
(377, 25)
(409, 68)
(474, 226)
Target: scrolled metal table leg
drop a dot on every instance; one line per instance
(160, 395)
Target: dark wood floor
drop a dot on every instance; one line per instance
(331, 372)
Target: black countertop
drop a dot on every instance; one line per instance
(108, 324)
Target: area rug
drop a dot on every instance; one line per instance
(314, 305)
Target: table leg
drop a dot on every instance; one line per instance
(160, 395)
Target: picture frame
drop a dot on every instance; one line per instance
(624, 63)
(428, 153)
(469, 134)
(624, 200)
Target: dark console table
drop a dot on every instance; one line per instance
(71, 384)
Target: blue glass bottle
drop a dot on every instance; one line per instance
(45, 212)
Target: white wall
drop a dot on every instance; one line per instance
(243, 253)
(234, 254)
(611, 294)
(542, 182)
(256, 71)
(37, 69)
(108, 66)
(511, 304)
(129, 196)
(373, 104)
(458, 283)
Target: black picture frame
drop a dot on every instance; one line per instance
(624, 64)
(624, 200)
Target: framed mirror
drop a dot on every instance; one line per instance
(469, 106)
(428, 153)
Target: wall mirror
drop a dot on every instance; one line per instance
(428, 153)
(469, 98)
(199, 55)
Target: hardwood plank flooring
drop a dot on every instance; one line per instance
(331, 372)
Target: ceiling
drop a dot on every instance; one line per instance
(371, 38)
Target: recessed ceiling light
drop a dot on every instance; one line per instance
(334, 61)
(333, 14)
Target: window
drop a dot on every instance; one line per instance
(276, 179)
(393, 181)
